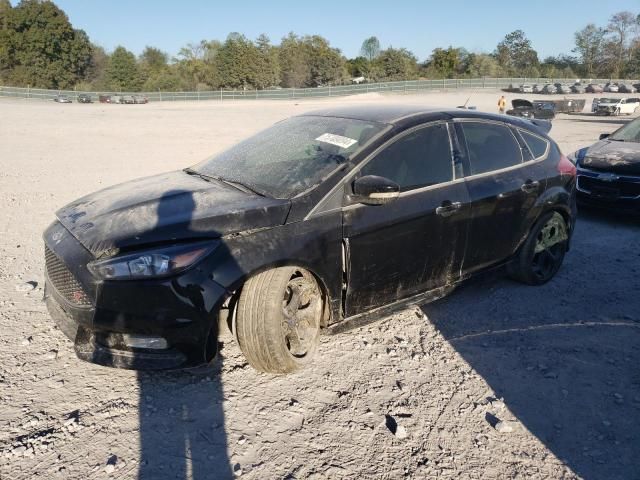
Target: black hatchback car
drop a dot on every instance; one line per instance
(323, 221)
(609, 170)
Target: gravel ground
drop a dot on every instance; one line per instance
(499, 380)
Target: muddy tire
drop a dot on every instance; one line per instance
(541, 255)
(278, 318)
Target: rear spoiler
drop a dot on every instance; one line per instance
(543, 125)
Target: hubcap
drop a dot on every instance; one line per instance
(302, 308)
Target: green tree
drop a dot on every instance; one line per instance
(95, 74)
(196, 65)
(237, 62)
(292, 57)
(397, 64)
(327, 66)
(370, 48)
(589, 43)
(5, 40)
(153, 59)
(619, 27)
(482, 65)
(267, 63)
(515, 53)
(122, 71)
(444, 63)
(42, 49)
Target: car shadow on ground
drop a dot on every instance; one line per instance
(565, 355)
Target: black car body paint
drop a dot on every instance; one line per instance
(366, 258)
(609, 175)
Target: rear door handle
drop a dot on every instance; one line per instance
(448, 208)
(530, 186)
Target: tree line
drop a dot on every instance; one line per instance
(40, 48)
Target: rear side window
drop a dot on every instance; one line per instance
(537, 145)
(419, 159)
(491, 147)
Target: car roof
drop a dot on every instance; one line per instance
(400, 114)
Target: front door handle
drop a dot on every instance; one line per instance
(448, 208)
(530, 186)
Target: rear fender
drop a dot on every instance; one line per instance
(554, 199)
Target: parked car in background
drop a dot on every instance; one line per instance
(617, 106)
(611, 88)
(117, 99)
(577, 88)
(140, 99)
(84, 98)
(609, 170)
(62, 99)
(563, 88)
(128, 99)
(626, 88)
(537, 109)
(104, 98)
(568, 105)
(526, 88)
(594, 88)
(537, 88)
(260, 236)
(549, 88)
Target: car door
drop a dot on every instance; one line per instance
(504, 182)
(417, 241)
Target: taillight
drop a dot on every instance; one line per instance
(565, 167)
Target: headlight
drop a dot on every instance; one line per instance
(159, 262)
(578, 155)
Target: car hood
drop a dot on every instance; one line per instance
(617, 157)
(521, 103)
(169, 207)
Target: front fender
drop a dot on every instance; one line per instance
(314, 244)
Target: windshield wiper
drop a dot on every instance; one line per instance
(237, 185)
(240, 186)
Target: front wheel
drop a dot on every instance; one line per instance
(542, 253)
(278, 319)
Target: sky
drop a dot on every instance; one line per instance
(420, 26)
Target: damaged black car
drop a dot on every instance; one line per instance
(608, 172)
(537, 109)
(322, 222)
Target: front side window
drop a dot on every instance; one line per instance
(419, 159)
(490, 146)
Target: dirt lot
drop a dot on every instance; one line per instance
(557, 364)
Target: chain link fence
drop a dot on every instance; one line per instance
(402, 87)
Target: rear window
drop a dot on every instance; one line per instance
(491, 147)
(537, 145)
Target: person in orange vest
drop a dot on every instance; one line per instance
(502, 104)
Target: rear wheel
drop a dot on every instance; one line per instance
(542, 254)
(278, 319)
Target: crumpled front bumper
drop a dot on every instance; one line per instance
(101, 317)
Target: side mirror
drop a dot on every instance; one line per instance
(604, 135)
(374, 190)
